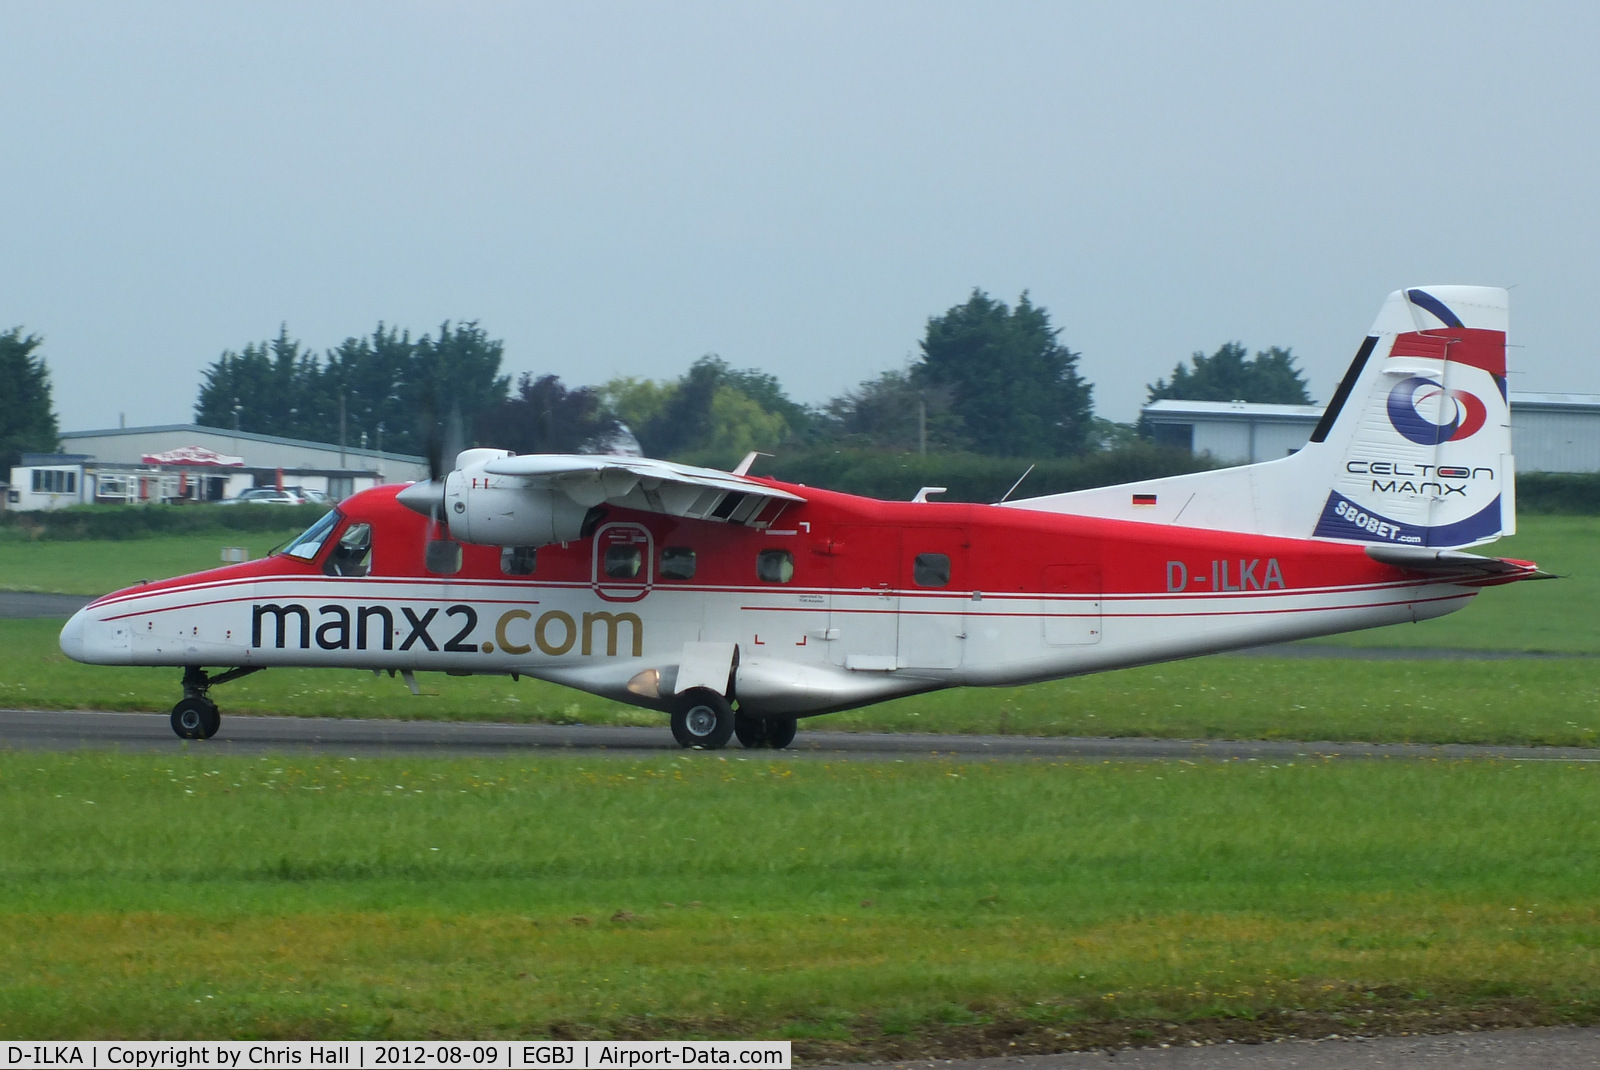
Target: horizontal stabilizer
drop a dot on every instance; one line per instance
(1421, 559)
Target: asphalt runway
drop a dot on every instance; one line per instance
(241, 734)
(16, 605)
(1544, 1049)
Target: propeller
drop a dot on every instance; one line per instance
(444, 446)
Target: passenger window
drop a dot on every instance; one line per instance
(518, 560)
(351, 553)
(930, 570)
(677, 563)
(623, 562)
(443, 557)
(775, 566)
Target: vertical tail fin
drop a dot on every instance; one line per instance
(1419, 429)
(1413, 450)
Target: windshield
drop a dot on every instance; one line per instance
(309, 542)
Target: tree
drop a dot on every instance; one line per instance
(546, 417)
(397, 391)
(711, 408)
(27, 418)
(1269, 378)
(269, 388)
(893, 412)
(1013, 386)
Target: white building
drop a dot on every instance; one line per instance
(180, 462)
(1549, 432)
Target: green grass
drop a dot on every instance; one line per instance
(1536, 701)
(98, 566)
(842, 905)
(1555, 615)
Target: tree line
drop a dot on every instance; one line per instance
(991, 379)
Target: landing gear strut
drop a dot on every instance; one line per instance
(196, 716)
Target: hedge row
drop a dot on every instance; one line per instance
(144, 521)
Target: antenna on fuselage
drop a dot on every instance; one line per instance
(1017, 484)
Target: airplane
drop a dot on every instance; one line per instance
(736, 604)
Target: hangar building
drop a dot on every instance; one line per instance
(1549, 432)
(187, 462)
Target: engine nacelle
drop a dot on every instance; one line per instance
(501, 511)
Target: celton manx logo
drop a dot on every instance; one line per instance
(1455, 414)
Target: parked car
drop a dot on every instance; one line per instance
(267, 496)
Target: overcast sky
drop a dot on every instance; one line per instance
(617, 189)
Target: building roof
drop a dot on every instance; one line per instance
(1174, 408)
(1232, 410)
(1526, 399)
(249, 436)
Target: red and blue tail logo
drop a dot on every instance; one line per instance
(1408, 400)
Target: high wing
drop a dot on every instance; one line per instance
(643, 483)
(496, 498)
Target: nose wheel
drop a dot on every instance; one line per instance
(196, 716)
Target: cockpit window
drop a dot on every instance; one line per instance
(306, 545)
(351, 553)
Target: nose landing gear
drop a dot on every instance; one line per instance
(196, 716)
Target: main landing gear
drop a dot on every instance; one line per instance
(196, 716)
(704, 720)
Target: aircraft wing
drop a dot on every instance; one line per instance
(643, 483)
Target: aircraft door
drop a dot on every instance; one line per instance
(1069, 605)
(864, 622)
(933, 622)
(624, 562)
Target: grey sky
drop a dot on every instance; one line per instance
(620, 188)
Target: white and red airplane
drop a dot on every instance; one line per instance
(737, 604)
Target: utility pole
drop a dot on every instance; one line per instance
(342, 463)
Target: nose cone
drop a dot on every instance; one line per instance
(95, 642)
(72, 637)
(425, 498)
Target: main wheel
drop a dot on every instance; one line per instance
(702, 719)
(774, 733)
(780, 732)
(192, 716)
(752, 731)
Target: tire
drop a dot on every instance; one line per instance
(770, 733)
(703, 720)
(213, 720)
(780, 732)
(190, 717)
(752, 731)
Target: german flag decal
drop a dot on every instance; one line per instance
(1144, 499)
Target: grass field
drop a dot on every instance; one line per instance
(861, 909)
(98, 566)
(1538, 701)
